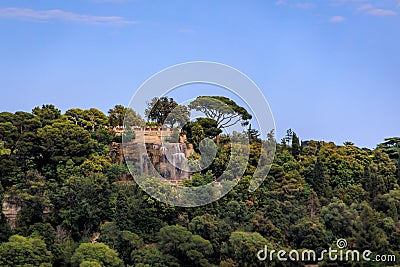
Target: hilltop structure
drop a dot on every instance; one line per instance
(167, 151)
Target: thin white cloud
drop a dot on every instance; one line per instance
(337, 19)
(371, 10)
(381, 12)
(365, 7)
(280, 3)
(57, 14)
(304, 5)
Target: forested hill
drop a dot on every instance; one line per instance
(78, 206)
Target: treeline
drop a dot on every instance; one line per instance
(78, 209)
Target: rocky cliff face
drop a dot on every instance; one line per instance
(11, 212)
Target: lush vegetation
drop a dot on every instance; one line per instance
(79, 206)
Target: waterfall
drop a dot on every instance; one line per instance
(175, 156)
(179, 162)
(163, 150)
(177, 147)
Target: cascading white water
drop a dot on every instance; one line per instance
(179, 158)
(177, 147)
(175, 155)
(163, 150)
(172, 148)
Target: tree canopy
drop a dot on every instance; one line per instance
(164, 110)
(97, 253)
(119, 114)
(23, 251)
(222, 109)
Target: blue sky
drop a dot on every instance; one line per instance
(330, 69)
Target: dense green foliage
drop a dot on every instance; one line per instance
(80, 208)
(165, 110)
(22, 251)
